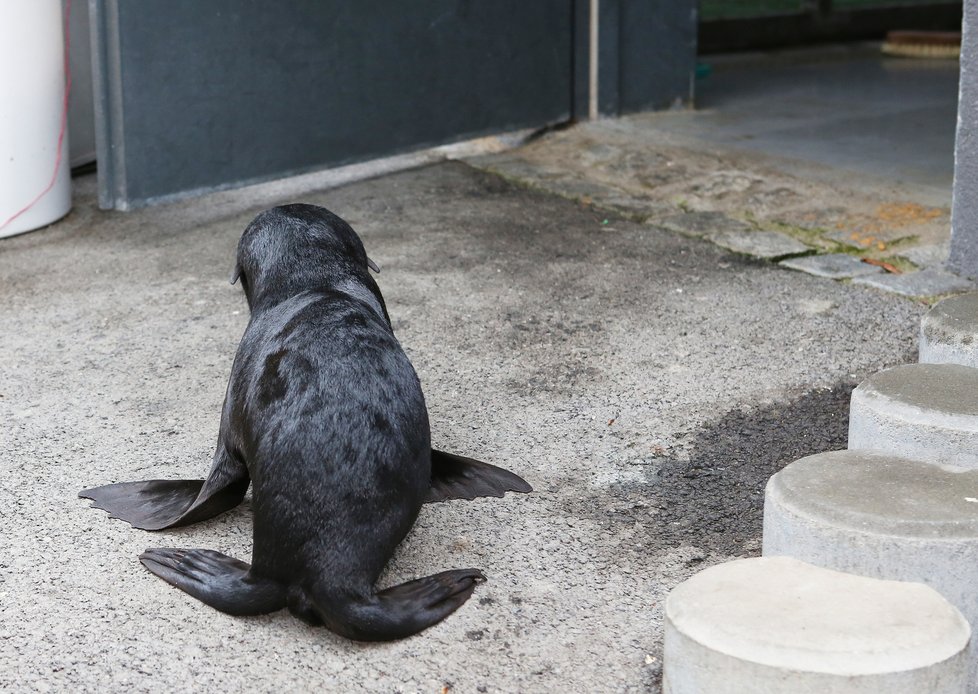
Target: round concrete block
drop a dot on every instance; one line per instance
(880, 516)
(924, 411)
(949, 332)
(777, 624)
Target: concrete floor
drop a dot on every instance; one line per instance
(646, 384)
(847, 107)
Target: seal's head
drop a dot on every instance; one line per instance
(292, 248)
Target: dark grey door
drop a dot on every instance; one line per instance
(199, 94)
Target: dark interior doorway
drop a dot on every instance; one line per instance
(733, 25)
(806, 80)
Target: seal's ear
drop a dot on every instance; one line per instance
(372, 265)
(235, 274)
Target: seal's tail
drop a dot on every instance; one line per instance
(399, 611)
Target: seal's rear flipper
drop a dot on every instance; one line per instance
(457, 477)
(218, 580)
(402, 610)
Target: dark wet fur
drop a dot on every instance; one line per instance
(324, 415)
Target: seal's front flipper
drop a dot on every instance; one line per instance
(457, 477)
(159, 504)
(220, 581)
(149, 505)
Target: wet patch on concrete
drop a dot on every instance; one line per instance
(710, 494)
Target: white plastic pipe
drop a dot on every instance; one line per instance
(32, 92)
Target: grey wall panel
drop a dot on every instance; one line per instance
(646, 54)
(609, 56)
(658, 53)
(198, 94)
(581, 35)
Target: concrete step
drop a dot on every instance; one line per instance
(777, 624)
(949, 332)
(923, 411)
(880, 516)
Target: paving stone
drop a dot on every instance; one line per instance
(929, 282)
(512, 165)
(776, 624)
(923, 411)
(584, 188)
(636, 205)
(563, 183)
(929, 255)
(702, 224)
(949, 332)
(881, 516)
(834, 265)
(769, 245)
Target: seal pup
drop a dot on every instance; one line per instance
(324, 414)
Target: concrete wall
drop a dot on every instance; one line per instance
(964, 208)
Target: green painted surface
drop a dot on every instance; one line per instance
(876, 4)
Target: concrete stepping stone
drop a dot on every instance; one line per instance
(776, 624)
(923, 411)
(949, 332)
(881, 516)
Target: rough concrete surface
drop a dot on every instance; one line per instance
(647, 384)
